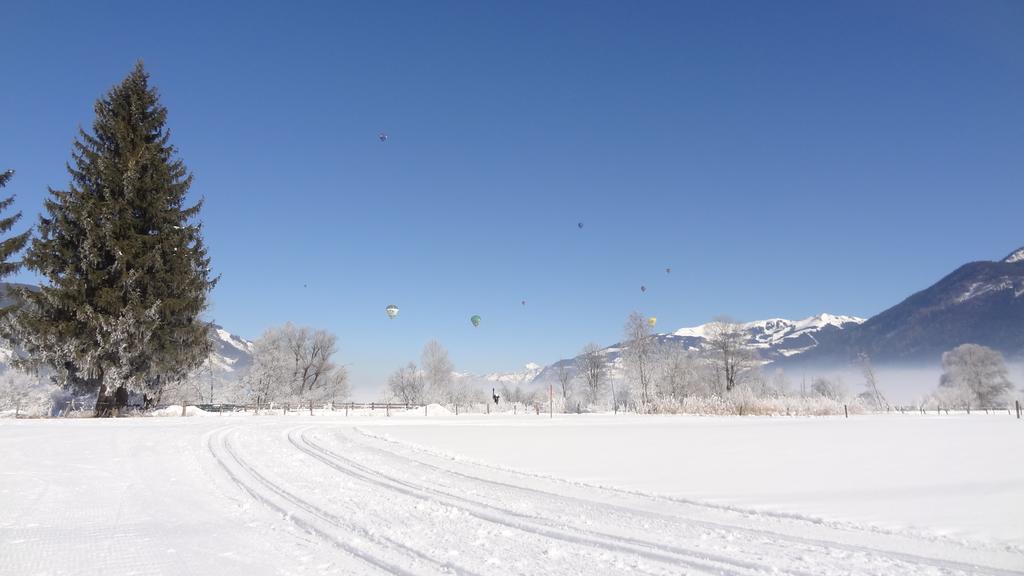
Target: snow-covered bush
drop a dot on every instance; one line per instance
(23, 394)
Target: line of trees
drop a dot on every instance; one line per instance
(433, 381)
(660, 375)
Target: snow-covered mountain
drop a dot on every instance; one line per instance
(1016, 256)
(774, 339)
(485, 382)
(231, 354)
(979, 302)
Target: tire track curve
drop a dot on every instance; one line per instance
(814, 543)
(674, 556)
(226, 456)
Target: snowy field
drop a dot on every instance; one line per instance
(499, 494)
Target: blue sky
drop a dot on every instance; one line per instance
(783, 158)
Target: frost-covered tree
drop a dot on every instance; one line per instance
(830, 389)
(9, 244)
(294, 364)
(437, 371)
(978, 372)
(590, 366)
(680, 373)
(310, 352)
(566, 379)
(638, 360)
(126, 274)
(406, 384)
(733, 358)
(268, 377)
(873, 395)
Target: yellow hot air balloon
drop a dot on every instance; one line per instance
(652, 321)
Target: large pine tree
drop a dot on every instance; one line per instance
(127, 273)
(9, 246)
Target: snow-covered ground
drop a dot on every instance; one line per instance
(501, 494)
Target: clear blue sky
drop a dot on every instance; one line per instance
(784, 158)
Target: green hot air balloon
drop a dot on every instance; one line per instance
(475, 320)
(391, 311)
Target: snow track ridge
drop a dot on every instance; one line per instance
(304, 514)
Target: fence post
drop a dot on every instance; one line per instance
(387, 410)
(371, 407)
(846, 411)
(456, 409)
(424, 410)
(515, 408)
(1018, 408)
(488, 406)
(346, 410)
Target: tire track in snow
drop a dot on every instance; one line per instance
(814, 543)
(301, 508)
(674, 556)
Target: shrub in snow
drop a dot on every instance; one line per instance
(744, 402)
(25, 395)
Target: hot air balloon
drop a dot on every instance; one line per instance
(579, 225)
(668, 270)
(523, 302)
(382, 137)
(643, 288)
(391, 311)
(652, 321)
(475, 320)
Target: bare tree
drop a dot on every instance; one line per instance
(979, 372)
(679, 372)
(727, 341)
(780, 383)
(871, 383)
(565, 380)
(638, 359)
(437, 369)
(268, 376)
(311, 353)
(831, 389)
(338, 386)
(292, 363)
(406, 384)
(590, 363)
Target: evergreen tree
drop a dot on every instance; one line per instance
(12, 245)
(126, 268)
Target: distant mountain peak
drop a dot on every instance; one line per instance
(1017, 256)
